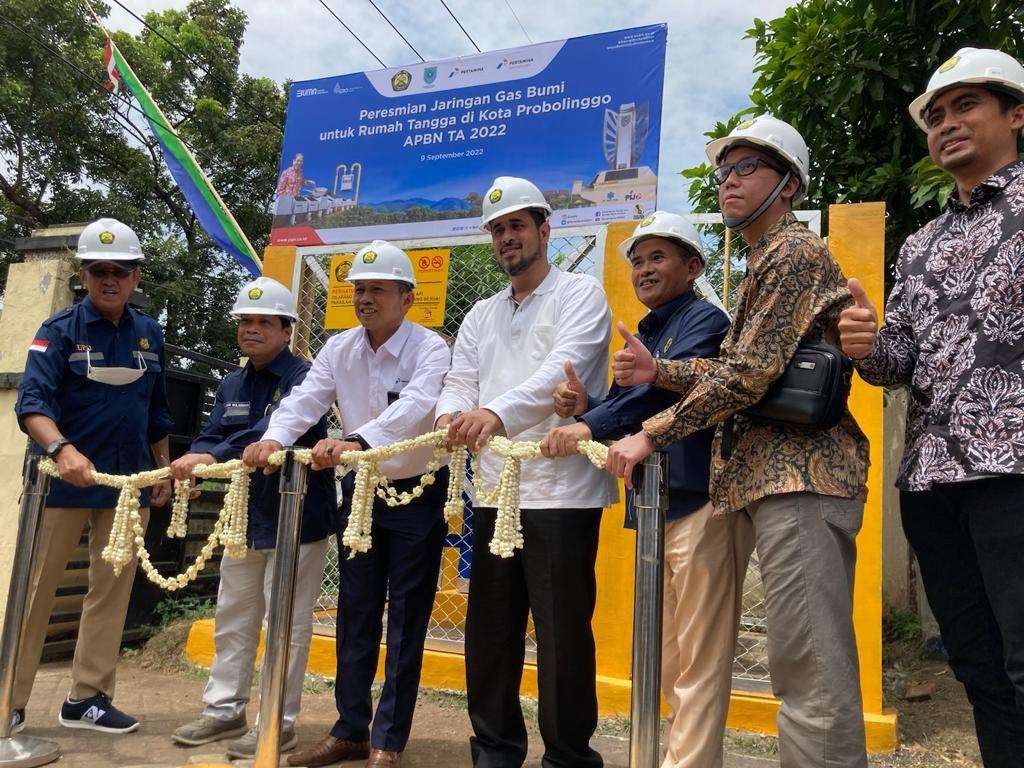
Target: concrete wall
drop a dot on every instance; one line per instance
(35, 290)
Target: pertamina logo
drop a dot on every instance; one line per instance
(400, 80)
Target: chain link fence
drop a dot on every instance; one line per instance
(474, 275)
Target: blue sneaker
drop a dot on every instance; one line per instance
(17, 721)
(96, 714)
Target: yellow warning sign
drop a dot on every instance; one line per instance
(430, 266)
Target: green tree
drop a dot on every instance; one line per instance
(844, 72)
(75, 152)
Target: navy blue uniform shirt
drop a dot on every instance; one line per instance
(240, 415)
(112, 426)
(683, 328)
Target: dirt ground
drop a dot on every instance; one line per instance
(163, 691)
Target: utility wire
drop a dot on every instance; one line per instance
(516, 16)
(346, 26)
(396, 29)
(193, 62)
(457, 22)
(97, 83)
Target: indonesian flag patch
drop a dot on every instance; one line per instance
(38, 345)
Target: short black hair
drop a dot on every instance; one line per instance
(538, 217)
(286, 322)
(1008, 101)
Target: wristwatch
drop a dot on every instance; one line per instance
(53, 448)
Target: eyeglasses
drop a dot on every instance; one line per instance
(743, 167)
(105, 270)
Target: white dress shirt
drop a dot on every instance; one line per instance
(509, 358)
(411, 364)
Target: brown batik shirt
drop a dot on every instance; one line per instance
(793, 291)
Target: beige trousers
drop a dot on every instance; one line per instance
(103, 609)
(704, 567)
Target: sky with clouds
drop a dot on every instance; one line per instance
(708, 69)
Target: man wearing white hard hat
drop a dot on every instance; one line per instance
(265, 310)
(954, 334)
(385, 376)
(93, 398)
(703, 580)
(507, 361)
(797, 491)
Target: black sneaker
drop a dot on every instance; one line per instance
(17, 721)
(96, 714)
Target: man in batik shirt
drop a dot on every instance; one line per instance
(954, 333)
(799, 494)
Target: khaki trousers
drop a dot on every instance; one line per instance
(806, 547)
(705, 560)
(103, 610)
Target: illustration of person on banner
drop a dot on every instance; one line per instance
(245, 399)
(954, 335)
(93, 399)
(507, 361)
(797, 491)
(385, 376)
(703, 580)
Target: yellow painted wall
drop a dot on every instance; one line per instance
(279, 263)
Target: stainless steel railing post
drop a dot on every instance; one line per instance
(279, 622)
(21, 750)
(650, 500)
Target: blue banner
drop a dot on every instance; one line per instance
(408, 152)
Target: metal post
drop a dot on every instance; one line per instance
(279, 624)
(650, 500)
(21, 750)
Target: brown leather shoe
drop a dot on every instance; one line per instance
(384, 758)
(331, 750)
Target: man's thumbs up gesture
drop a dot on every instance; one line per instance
(570, 395)
(634, 364)
(858, 324)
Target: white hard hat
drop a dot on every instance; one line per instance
(776, 137)
(108, 240)
(508, 194)
(668, 225)
(264, 296)
(380, 260)
(984, 66)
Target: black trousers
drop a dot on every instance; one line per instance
(401, 570)
(969, 542)
(552, 577)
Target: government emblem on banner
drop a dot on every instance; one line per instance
(430, 75)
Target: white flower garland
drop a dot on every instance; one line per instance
(231, 527)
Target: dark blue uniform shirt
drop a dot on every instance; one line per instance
(112, 426)
(240, 415)
(683, 328)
